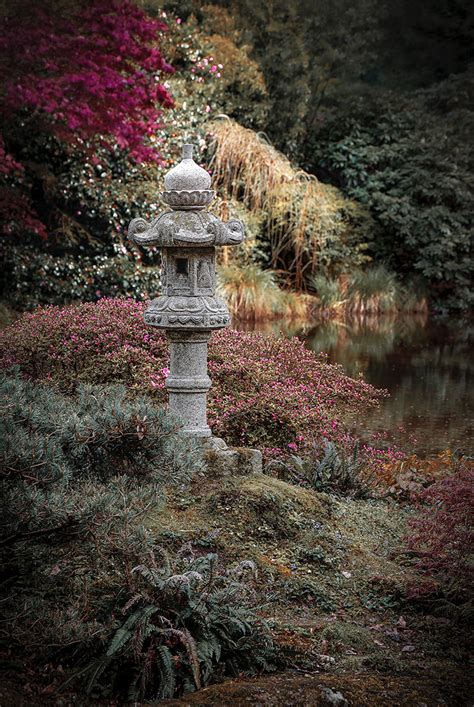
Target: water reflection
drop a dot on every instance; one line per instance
(427, 366)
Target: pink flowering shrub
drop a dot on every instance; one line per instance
(87, 76)
(267, 392)
(274, 393)
(442, 539)
(93, 71)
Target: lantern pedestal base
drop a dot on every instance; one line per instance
(222, 460)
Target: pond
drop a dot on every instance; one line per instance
(426, 364)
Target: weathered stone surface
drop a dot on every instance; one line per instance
(330, 697)
(188, 227)
(233, 461)
(188, 381)
(188, 309)
(213, 443)
(187, 174)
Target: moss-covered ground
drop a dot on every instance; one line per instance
(332, 582)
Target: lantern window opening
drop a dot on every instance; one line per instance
(182, 266)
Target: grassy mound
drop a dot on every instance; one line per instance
(332, 581)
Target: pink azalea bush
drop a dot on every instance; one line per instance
(274, 393)
(267, 392)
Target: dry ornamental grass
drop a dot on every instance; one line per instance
(304, 215)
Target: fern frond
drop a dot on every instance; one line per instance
(192, 652)
(121, 637)
(167, 672)
(131, 602)
(125, 632)
(152, 576)
(96, 671)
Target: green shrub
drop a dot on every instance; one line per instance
(99, 431)
(31, 277)
(407, 157)
(372, 290)
(79, 479)
(187, 623)
(375, 290)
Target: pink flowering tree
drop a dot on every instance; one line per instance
(92, 78)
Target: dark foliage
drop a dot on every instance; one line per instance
(408, 159)
(376, 98)
(32, 277)
(80, 477)
(442, 543)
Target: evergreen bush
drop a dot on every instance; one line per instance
(80, 477)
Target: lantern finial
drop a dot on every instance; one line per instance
(187, 151)
(187, 186)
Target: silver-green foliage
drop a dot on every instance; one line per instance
(337, 471)
(188, 622)
(79, 476)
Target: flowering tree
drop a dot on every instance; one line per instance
(91, 76)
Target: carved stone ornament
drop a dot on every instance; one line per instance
(187, 200)
(188, 309)
(188, 312)
(186, 228)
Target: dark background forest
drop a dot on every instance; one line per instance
(373, 98)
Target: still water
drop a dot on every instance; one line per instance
(427, 365)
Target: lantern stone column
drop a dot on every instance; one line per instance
(188, 309)
(188, 381)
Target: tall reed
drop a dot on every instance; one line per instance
(304, 216)
(372, 291)
(253, 294)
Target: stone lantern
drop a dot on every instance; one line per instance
(188, 309)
